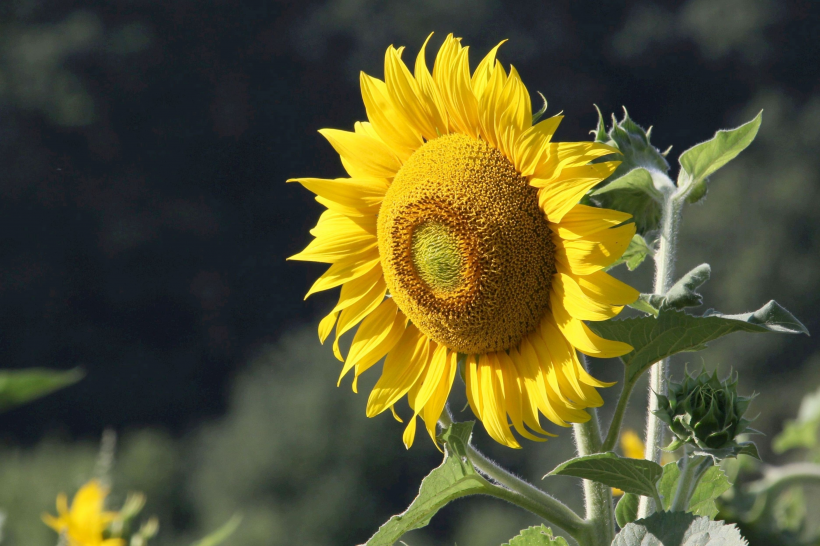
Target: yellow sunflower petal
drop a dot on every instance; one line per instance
(402, 368)
(429, 93)
(583, 220)
(427, 386)
(387, 121)
(558, 196)
(556, 381)
(344, 271)
(587, 255)
(514, 396)
(330, 248)
(352, 212)
(493, 411)
(378, 333)
(604, 287)
(532, 144)
(435, 405)
(332, 221)
(472, 384)
(368, 157)
(404, 94)
(326, 326)
(483, 71)
(528, 383)
(349, 192)
(561, 155)
(578, 303)
(567, 363)
(582, 338)
(452, 75)
(356, 312)
(530, 368)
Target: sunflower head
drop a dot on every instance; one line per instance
(459, 231)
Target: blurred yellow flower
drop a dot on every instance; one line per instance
(85, 522)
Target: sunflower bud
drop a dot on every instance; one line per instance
(707, 413)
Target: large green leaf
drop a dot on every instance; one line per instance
(630, 475)
(711, 485)
(536, 536)
(678, 529)
(674, 332)
(455, 478)
(18, 387)
(699, 162)
(626, 510)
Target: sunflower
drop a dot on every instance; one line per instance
(86, 522)
(458, 239)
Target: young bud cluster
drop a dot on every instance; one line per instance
(706, 413)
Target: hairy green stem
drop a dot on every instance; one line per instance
(693, 469)
(597, 496)
(659, 373)
(614, 431)
(521, 493)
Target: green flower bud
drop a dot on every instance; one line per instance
(707, 413)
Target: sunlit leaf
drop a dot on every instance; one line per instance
(19, 387)
(699, 162)
(674, 332)
(630, 475)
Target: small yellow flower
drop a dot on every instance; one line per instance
(85, 522)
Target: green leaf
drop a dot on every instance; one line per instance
(638, 195)
(712, 484)
(678, 529)
(750, 449)
(536, 536)
(626, 510)
(19, 387)
(455, 478)
(635, 253)
(674, 332)
(682, 293)
(636, 476)
(222, 534)
(635, 193)
(699, 162)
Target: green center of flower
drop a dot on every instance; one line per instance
(435, 252)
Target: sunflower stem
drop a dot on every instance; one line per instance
(523, 494)
(692, 471)
(659, 373)
(614, 431)
(597, 496)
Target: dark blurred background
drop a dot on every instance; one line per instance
(145, 220)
